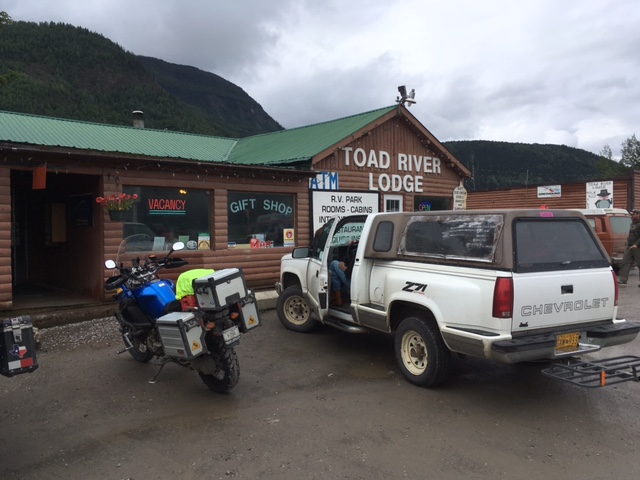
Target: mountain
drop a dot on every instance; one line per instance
(64, 71)
(496, 165)
(222, 102)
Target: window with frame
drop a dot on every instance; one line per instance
(620, 223)
(429, 204)
(556, 244)
(320, 240)
(393, 203)
(261, 220)
(344, 243)
(384, 237)
(168, 215)
(472, 237)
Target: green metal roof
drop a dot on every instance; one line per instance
(56, 132)
(300, 144)
(279, 148)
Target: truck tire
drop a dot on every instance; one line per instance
(421, 353)
(294, 311)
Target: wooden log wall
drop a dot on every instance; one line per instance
(574, 195)
(634, 201)
(393, 137)
(5, 238)
(261, 266)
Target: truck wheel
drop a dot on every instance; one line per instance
(294, 312)
(421, 353)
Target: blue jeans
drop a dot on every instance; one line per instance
(339, 280)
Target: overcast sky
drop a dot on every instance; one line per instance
(534, 71)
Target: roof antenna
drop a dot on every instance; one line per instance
(409, 99)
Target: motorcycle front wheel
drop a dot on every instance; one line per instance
(227, 371)
(139, 350)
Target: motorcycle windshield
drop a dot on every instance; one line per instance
(138, 243)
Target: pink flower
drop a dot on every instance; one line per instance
(115, 202)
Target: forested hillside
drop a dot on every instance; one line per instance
(502, 164)
(69, 72)
(221, 101)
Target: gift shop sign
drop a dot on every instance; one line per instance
(405, 170)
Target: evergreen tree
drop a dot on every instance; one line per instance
(606, 152)
(630, 150)
(5, 19)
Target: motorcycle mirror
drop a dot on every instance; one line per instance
(110, 264)
(177, 246)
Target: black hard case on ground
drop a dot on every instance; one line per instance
(17, 346)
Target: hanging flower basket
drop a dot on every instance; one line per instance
(121, 215)
(118, 206)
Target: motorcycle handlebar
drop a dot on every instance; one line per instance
(142, 272)
(175, 263)
(115, 282)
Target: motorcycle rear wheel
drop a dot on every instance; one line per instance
(139, 352)
(227, 365)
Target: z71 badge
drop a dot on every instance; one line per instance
(415, 287)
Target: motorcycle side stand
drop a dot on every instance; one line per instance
(155, 377)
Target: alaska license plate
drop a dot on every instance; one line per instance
(567, 342)
(231, 335)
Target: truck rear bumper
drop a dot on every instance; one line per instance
(544, 346)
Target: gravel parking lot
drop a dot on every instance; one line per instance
(101, 331)
(320, 405)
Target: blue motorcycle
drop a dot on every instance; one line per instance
(198, 331)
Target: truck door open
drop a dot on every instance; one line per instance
(317, 273)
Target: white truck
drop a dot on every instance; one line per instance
(511, 286)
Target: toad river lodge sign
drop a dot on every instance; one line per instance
(408, 169)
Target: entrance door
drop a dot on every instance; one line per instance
(19, 232)
(56, 244)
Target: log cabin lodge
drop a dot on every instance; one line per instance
(234, 202)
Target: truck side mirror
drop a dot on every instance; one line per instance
(300, 252)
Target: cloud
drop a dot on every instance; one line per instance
(534, 71)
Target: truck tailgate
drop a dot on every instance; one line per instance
(548, 299)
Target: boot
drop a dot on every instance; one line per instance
(338, 298)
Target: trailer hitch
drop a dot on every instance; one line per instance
(597, 373)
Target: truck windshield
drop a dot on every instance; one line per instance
(555, 244)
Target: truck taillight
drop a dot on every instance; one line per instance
(503, 298)
(615, 283)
